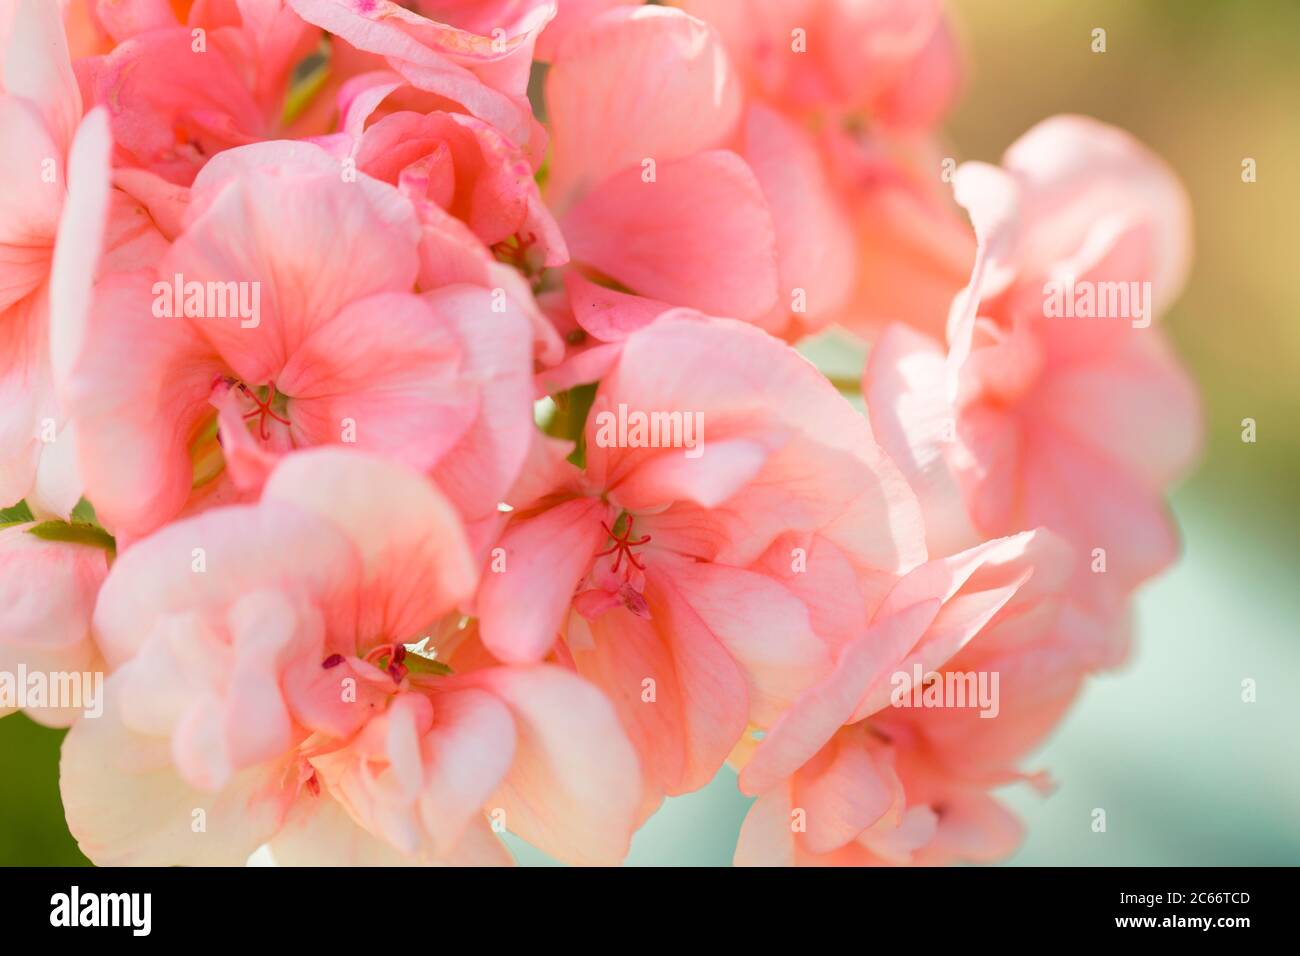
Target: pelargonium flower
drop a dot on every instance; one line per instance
(851, 774)
(50, 574)
(844, 99)
(641, 175)
(262, 691)
(340, 350)
(43, 248)
(702, 591)
(1076, 423)
(476, 55)
(481, 215)
(180, 91)
(420, 467)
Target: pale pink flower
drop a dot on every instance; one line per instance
(642, 176)
(261, 682)
(477, 55)
(482, 219)
(865, 230)
(181, 92)
(40, 109)
(1070, 422)
(847, 776)
(340, 350)
(481, 214)
(47, 594)
(702, 591)
(570, 17)
(894, 60)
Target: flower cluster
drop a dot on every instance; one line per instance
(400, 404)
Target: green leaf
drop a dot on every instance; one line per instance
(425, 665)
(570, 419)
(85, 513)
(16, 514)
(310, 76)
(74, 533)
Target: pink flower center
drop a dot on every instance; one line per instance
(394, 655)
(518, 252)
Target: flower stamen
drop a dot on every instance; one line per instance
(263, 409)
(623, 546)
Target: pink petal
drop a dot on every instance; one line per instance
(607, 314)
(1139, 407)
(849, 792)
(819, 712)
(479, 470)
(1086, 173)
(37, 68)
(139, 391)
(815, 241)
(764, 628)
(29, 207)
(385, 373)
(522, 608)
(81, 234)
(172, 107)
(281, 229)
(126, 806)
(905, 386)
(700, 235)
(605, 118)
(471, 748)
(416, 562)
(485, 74)
(766, 835)
(574, 786)
(47, 594)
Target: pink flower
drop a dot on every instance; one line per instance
(647, 190)
(1072, 422)
(701, 586)
(865, 231)
(321, 340)
(47, 592)
(477, 55)
(262, 685)
(40, 109)
(481, 215)
(448, 469)
(893, 60)
(570, 17)
(855, 773)
(470, 171)
(180, 93)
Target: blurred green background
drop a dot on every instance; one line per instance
(1187, 772)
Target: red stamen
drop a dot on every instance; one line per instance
(514, 251)
(396, 653)
(263, 409)
(623, 546)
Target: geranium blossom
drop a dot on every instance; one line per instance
(261, 676)
(726, 579)
(406, 423)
